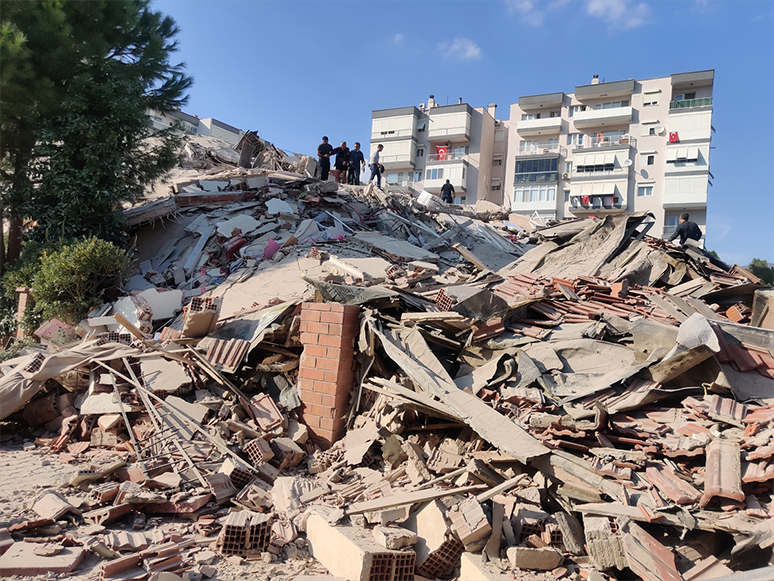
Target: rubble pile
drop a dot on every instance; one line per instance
(439, 393)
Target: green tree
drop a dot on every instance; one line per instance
(762, 270)
(77, 80)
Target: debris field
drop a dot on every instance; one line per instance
(306, 380)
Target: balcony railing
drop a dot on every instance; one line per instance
(601, 141)
(691, 103)
(542, 150)
(403, 158)
(447, 157)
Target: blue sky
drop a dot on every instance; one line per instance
(294, 71)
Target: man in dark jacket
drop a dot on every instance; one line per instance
(356, 165)
(342, 161)
(686, 230)
(324, 158)
(446, 192)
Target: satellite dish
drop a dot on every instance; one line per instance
(660, 130)
(627, 163)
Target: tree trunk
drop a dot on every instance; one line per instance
(14, 241)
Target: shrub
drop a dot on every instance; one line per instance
(72, 280)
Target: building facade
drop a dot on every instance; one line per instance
(426, 145)
(610, 148)
(195, 126)
(606, 148)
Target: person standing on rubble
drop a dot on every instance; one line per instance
(686, 230)
(342, 161)
(446, 192)
(356, 165)
(376, 167)
(324, 158)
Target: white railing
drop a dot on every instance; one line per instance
(436, 132)
(600, 141)
(447, 157)
(404, 158)
(543, 150)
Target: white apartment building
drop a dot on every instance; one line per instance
(426, 145)
(192, 124)
(613, 147)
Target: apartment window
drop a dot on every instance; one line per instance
(394, 178)
(497, 161)
(553, 114)
(643, 191)
(575, 139)
(567, 167)
(553, 143)
(463, 172)
(651, 130)
(420, 152)
(651, 159)
(528, 146)
(649, 101)
(535, 193)
(611, 105)
(566, 196)
(685, 96)
(530, 116)
(576, 109)
(536, 170)
(421, 124)
(460, 151)
(387, 133)
(595, 168)
(417, 176)
(434, 174)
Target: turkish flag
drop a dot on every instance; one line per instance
(673, 137)
(585, 199)
(440, 153)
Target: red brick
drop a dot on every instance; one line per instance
(332, 341)
(334, 401)
(317, 306)
(310, 338)
(330, 364)
(332, 376)
(311, 420)
(324, 411)
(311, 397)
(331, 424)
(336, 318)
(311, 316)
(326, 387)
(321, 328)
(315, 351)
(311, 373)
(345, 381)
(306, 384)
(336, 352)
(349, 310)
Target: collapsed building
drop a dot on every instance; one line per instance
(361, 385)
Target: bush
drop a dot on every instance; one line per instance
(70, 281)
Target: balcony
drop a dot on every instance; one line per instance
(690, 104)
(545, 101)
(437, 173)
(685, 200)
(443, 157)
(596, 205)
(450, 124)
(543, 150)
(601, 117)
(602, 142)
(549, 125)
(585, 93)
(397, 161)
(598, 198)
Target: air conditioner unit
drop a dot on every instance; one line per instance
(546, 150)
(565, 176)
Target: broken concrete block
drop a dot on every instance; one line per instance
(22, 559)
(347, 551)
(394, 537)
(221, 487)
(436, 550)
(603, 543)
(165, 376)
(52, 505)
(164, 303)
(572, 533)
(474, 568)
(470, 524)
(287, 454)
(109, 421)
(542, 559)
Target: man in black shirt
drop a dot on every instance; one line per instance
(446, 192)
(356, 164)
(323, 158)
(686, 230)
(342, 160)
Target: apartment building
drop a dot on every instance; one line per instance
(426, 145)
(613, 147)
(193, 125)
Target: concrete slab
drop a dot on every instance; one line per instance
(20, 559)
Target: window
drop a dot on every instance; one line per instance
(417, 176)
(611, 105)
(535, 193)
(651, 131)
(394, 178)
(576, 109)
(536, 170)
(649, 101)
(528, 146)
(460, 151)
(553, 143)
(553, 114)
(567, 167)
(421, 124)
(651, 159)
(434, 174)
(497, 161)
(387, 133)
(566, 197)
(420, 152)
(529, 116)
(575, 139)
(643, 191)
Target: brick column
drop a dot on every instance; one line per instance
(25, 300)
(326, 369)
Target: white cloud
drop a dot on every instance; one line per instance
(460, 48)
(532, 12)
(624, 14)
(398, 38)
